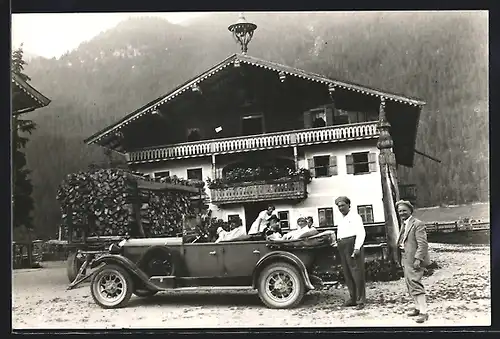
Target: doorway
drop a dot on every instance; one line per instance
(252, 210)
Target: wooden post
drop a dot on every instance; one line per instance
(214, 169)
(296, 157)
(390, 193)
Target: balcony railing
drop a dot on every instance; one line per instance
(294, 189)
(338, 133)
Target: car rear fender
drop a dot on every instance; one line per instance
(128, 265)
(282, 256)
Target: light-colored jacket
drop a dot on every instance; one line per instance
(414, 240)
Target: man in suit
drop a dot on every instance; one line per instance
(414, 257)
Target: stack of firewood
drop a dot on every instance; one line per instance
(162, 214)
(102, 202)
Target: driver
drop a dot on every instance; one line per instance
(273, 230)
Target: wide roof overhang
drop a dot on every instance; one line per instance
(407, 122)
(25, 98)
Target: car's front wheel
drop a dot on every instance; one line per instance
(111, 287)
(281, 286)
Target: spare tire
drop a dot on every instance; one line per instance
(157, 261)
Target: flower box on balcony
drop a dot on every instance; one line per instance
(264, 190)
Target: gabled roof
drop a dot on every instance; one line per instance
(242, 58)
(39, 100)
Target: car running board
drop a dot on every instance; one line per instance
(169, 283)
(213, 288)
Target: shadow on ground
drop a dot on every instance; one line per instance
(244, 299)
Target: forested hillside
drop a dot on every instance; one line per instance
(440, 58)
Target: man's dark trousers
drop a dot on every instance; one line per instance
(354, 269)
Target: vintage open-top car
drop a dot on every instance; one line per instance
(279, 270)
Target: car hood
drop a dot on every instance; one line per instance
(153, 242)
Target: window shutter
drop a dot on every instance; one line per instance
(329, 116)
(333, 169)
(310, 164)
(349, 161)
(372, 162)
(307, 120)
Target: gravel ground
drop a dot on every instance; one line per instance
(458, 294)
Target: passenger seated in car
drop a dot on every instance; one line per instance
(273, 229)
(302, 231)
(237, 232)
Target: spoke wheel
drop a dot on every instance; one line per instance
(111, 287)
(281, 286)
(73, 264)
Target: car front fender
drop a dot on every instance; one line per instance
(277, 256)
(127, 264)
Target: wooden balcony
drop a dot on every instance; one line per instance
(322, 135)
(294, 189)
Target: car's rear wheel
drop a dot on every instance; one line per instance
(73, 264)
(281, 286)
(111, 287)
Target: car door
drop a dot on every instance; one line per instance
(203, 260)
(240, 257)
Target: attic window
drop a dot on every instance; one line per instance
(318, 118)
(193, 134)
(252, 124)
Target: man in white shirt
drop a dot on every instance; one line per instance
(350, 238)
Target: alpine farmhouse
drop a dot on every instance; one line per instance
(258, 132)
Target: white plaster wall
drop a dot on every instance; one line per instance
(363, 189)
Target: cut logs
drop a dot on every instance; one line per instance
(115, 202)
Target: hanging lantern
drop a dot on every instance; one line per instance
(242, 32)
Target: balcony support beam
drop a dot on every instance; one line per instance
(390, 191)
(296, 157)
(214, 168)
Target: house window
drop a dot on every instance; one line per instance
(193, 134)
(284, 217)
(252, 124)
(195, 174)
(318, 118)
(362, 162)
(323, 166)
(341, 117)
(325, 216)
(366, 213)
(162, 174)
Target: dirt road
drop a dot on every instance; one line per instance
(458, 294)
